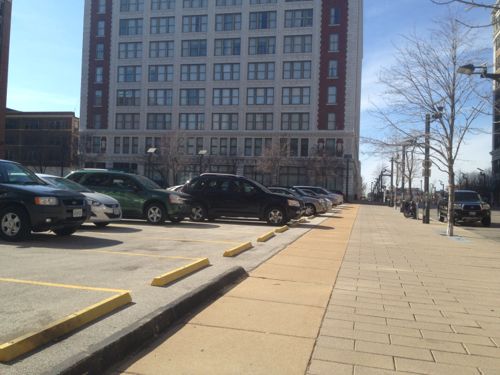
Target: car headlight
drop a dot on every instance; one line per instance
(457, 206)
(93, 202)
(46, 201)
(176, 199)
(293, 203)
(485, 206)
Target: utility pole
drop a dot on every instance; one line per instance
(392, 181)
(427, 168)
(403, 162)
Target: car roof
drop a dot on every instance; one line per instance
(43, 175)
(96, 170)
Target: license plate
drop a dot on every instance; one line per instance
(116, 211)
(77, 212)
(472, 213)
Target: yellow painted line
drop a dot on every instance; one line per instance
(238, 249)
(188, 240)
(67, 286)
(126, 253)
(266, 236)
(30, 341)
(176, 274)
(282, 229)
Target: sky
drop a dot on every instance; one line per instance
(46, 48)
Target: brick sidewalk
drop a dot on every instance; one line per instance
(409, 300)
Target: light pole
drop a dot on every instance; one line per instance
(202, 153)
(151, 151)
(464, 176)
(347, 158)
(483, 175)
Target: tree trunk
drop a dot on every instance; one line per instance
(451, 201)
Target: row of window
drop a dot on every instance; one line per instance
(220, 96)
(290, 121)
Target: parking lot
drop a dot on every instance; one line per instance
(49, 278)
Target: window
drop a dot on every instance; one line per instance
(99, 51)
(298, 44)
(260, 96)
(295, 147)
(334, 16)
(304, 147)
(255, 146)
(227, 3)
(254, 2)
(299, 18)
(160, 97)
(295, 121)
(297, 70)
(194, 3)
(191, 121)
(117, 145)
(99, 74)
(218, 146)
(262, 45)
(295, 95)
(132, 26)
(262, 20)
(150, 142)
(259, 121)
(332, 95)
(98, 98)
(123, 146)
(100, 28)
(128, 98)
(159, 121)
(227, 47)
(192, 97)
(333, 43)
(97, 122)
(193, 72)
(162, 4)
(333, 68)
(332, 122)
(129, 73)
(127, 121)
(162, 25)
(130, 50)
(194, 48)
(160, 73)
(224, 121)
(226, 97)
(261, 71)
(226, 72)
(161, 49)
(194, 145)
(96, 145)
(194, 24)
(131, 5)
(228, 22)
(101, 7)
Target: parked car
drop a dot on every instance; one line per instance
(289, 194)
(327, 202)
(335, 197)
(469, 208)
(139, 197)
(215, 195)
(104, 209)
(175, 188)
(28, 204)
(311, 204)
(321, 207)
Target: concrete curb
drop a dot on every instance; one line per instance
(180, 272)
(105, 354)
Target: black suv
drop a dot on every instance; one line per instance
(469, 208)
(139, 197)
(216, 195)
(28, 204)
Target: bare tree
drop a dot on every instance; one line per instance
(424, 81)
(168, 158)
(272, 159)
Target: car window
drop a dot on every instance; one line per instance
(229, 186)
(248, 188)
(199, 184)
(64, 183)
(464, 196)
(98, 179)
(11, 173)
(124, 183)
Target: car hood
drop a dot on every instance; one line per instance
(103, 198)
(44, 190)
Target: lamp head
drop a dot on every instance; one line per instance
(466, 69)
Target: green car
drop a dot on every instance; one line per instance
(139, 197)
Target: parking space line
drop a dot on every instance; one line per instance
(67, 286)
(180, 272)
(189, 240)
(126, 253)
(266, 236)
(238, 249)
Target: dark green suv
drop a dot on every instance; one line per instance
(139, 197)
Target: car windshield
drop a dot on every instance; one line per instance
(147, 183)
(16, 174)
(466, 196)
(262, 187)
(63, 183)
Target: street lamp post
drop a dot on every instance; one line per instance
(151, 151)
(202, 153)
(347, 158)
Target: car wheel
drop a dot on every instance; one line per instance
(102, 224)
(176, 219)
(15, 224)
(310, 210)
(155, 214)
(65, 231)
(486, 221)
(198, 212)
(276, 216)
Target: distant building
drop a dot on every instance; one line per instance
(265, 88)
(495, 152)
(5, 15)
(45, 141)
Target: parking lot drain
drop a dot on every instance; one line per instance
(266, 236)
(178, 273)
(282, 229)
(238, 249)
(26, 343)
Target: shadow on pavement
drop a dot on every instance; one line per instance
(109, 229)
(74, 242)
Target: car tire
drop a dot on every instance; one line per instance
(310, 210)
(102, 224)
(176, 219)
(486, 221)
(276, 216)
(198, 212)
(155, 214)
(65, 231)
(14, 224)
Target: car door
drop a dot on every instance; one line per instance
(130, 195)
(251, 199)
(225, 197)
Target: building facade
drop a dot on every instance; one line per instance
(265, 88)
(47, 142)
(5, 17)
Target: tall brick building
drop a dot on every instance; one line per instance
(5, 16)
(265, 88)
